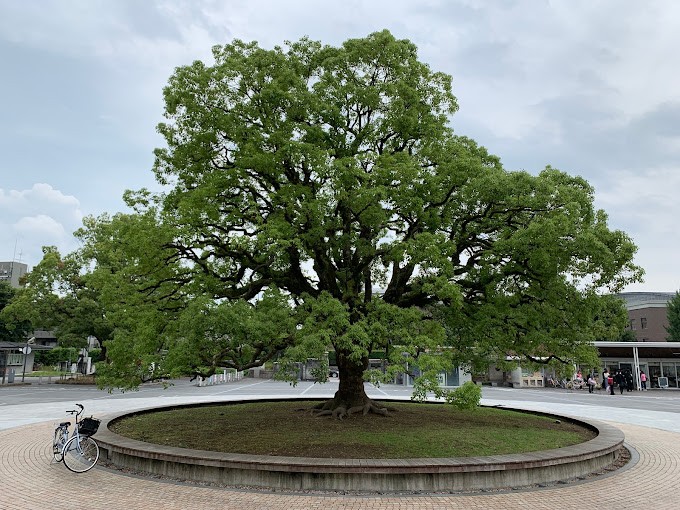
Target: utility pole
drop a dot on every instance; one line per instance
(26, 350)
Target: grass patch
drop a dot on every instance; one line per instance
(412, 431)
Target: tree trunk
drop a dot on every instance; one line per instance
(351, 392)
(351, 396)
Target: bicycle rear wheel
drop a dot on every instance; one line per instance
(81, 454)
(58, 444)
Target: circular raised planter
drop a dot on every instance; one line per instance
(375, 475)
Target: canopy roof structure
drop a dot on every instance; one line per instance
(644, 349)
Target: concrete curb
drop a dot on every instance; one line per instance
(381, 475)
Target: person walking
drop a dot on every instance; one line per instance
(610, 384)
(620, 379)
(629, 380)
(605, 379)
(591, 383)
(643, 380)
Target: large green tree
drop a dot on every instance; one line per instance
(673, 313)
(56, 296)
(317, 199)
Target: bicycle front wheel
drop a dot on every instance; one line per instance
(81, 454)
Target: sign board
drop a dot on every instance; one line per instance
(26, 350)
(663, 382)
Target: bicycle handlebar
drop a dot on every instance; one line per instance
(77, 412)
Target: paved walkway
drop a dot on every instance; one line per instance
(30, 481)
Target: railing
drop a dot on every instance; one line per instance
(229, 375)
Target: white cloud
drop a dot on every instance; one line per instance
(45, 227)
(41, 197)
(37, 217)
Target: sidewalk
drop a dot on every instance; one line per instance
(31, 482)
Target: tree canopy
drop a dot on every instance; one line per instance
(318, 199)
(11, 329)
(673, 313)
(56, 296)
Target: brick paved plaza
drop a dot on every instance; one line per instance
(31, 481)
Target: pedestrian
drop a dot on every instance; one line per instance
(578, 381)
(620, 379)
(610, 383)
(629, 380)
(643, 380)
(591, 383)
(605, 379)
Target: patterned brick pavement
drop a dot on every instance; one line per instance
(28, 480)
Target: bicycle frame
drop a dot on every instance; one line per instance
(62, 434)
(81, 451)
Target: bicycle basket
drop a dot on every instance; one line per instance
(88, 426)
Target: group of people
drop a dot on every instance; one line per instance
(622, 379)
(579, 382)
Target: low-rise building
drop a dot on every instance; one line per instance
(12, 272)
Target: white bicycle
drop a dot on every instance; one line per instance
(78, 451)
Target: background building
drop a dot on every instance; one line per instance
(651, 353)
(647, 314)
(11, 272)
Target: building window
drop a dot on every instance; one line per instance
(643, 323)
(632, 324)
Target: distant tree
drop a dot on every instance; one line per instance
(611, 320)
(628, 336)
(673, 311)
(12, 329)
(56, 296)
(317, 200)
(56, 355)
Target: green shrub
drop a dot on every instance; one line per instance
(96, 355)
(467, 396)
(57, 355)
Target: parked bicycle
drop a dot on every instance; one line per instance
(77, 450)
(556, 383)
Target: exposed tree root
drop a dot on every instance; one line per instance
(340, 411)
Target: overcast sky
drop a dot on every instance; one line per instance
(589, 87)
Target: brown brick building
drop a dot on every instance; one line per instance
(647, 315)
